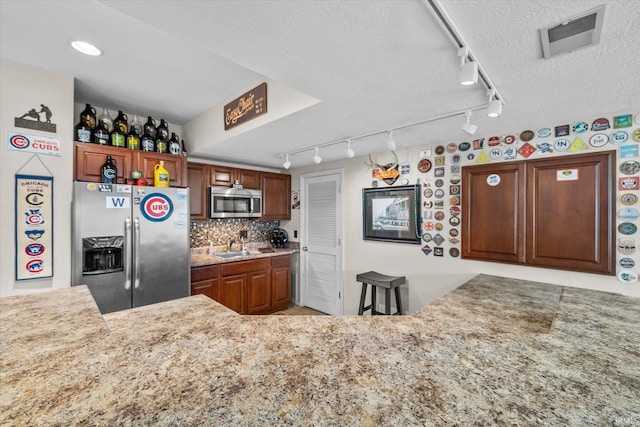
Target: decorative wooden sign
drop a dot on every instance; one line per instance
(32, 120)
(246, 107)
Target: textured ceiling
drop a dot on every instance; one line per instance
(373, 65)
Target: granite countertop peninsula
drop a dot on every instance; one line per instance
(495, 351)
(201, 257)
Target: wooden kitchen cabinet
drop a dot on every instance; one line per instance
(280, 282)
(232, 292)
(198, 183)
(276, 196)
(224, 176)
(204, 280)
(258, 292)
(90, 157)
(553, 213)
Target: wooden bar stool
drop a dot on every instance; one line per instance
(387, 282)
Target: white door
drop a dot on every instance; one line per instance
(321, 241)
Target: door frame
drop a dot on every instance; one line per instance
(339, 227)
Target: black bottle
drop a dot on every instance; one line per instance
(163, 130)
(109, 172)
(121, 122)
(82, 132)
(149, 128)
(174, 145)
(147, 143)
(88, 117)
(101, 134)
(117, 138)
(133, 139)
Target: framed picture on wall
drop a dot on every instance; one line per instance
(391, 214)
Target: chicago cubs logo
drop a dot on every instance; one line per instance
(156, 207)
(35, 266)
(34, 249)
(34, 199)
(19, 141)
(34, 217)
(34, 234)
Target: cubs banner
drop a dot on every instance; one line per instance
(33, 143)
(34, 227)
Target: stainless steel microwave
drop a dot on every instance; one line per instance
(235, 203)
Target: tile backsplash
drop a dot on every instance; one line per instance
(217, 231)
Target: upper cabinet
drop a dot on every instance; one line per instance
(90, 157)
(276, 196)
(276, 188)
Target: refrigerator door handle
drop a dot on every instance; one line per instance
(136, 253)
(127, 254)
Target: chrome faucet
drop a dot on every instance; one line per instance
(229, 243)
(244, 245)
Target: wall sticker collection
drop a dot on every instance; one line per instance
(439, 171)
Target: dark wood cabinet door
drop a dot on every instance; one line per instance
(175, 165)
(232, 291)
(222, 176)
(258, 292)
(276, 196)
(206, 287)
(198, 183)
(280, 288)
(493, 212)
(89, 159)
(249, 179)
(570, 213)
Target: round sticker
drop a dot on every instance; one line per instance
(452, 148)
(454, 210)
(454, 252)
(562, 145)
(440, 149)
(544, 133)
(455, 179)
(600, 124)
(424, 165)
(598, 140)
(580, 127)
(374, 183)
(456, 158)
(427, 192)
(527, 135)
(636, 135)
(439, 182)
(454, 220)
(493, 180)
(156, 207)
(637, 119)
(493, 141)
(619, 137)
(626, 246)
(426, 237)
(454, 200)
(438, 226)
(404, 181)
(439, 216)
(627, 228)
(471, 156)
(427, 204)
(508, 140)
(627, 263)
(627, 276)
(464, 146)
(453, 232)
(628, 199)
(439, 193)
(630, 167)
(495, 153)
(628, 213)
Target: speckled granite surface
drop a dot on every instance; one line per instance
(493, 352)
(200, 257)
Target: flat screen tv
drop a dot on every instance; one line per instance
(391, 214)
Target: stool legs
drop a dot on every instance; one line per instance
(387, 301)
(363, 294)
(374, 292)
(398, 302)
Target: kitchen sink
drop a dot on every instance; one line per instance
(231, 254)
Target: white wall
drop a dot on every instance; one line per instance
(21, 89)
(430, 277)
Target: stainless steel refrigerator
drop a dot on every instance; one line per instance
(131, 244)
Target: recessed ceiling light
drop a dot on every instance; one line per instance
(86, 48)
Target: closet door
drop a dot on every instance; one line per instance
(570, 213)
(493, 212)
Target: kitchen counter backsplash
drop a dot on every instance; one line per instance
(218, 231)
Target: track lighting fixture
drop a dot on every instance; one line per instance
(495, 105)
(287, 163)
(391, 144)
(317, 159)
(350, 152)
(469, 69)
(468, 127)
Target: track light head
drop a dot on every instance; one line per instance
(317, 159)
(495, 108)
(468, 127)
(391, 144)
(350, 152)
(287, 163)
(469, 69)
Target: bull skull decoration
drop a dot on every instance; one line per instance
(388, 173)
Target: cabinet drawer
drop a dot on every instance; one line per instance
(241, 267)
(281, 261)
(204, 273)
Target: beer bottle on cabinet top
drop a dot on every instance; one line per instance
(162, 146)
(135, 123)
(101, 134)
(109, 172)
(121, 122)
(163, 130)
(149, 128)
(88, 116)
(105, 118)
(133, 139)
(82, 132)
(117, 137)
(147, 143)
(174, 145)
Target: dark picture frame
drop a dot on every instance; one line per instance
(391, 214)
